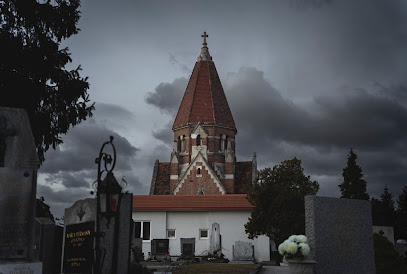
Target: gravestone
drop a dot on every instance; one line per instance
(243, 251)
(116, 239)
(401, 247)
(188, 246)
(137, 247)
(340, 233)
(79, 232)
(45, 230)
(18, 183)
(215, 246)
(159, 246)
(386, 231)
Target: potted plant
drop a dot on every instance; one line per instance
(294, 250)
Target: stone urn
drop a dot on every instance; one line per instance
(302, 266)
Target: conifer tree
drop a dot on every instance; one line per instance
(401, 217)
(383, 211)
(353, 186)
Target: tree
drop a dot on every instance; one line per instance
(383, 211)
(43, 210)
(278, 197)
(353, 186)
(32, 67)
(401, 215)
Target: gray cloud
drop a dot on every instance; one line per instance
(167, 96)
(320, 132)
(72, 165)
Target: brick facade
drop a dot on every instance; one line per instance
(203, 158)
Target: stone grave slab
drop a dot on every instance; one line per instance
(18, 184)
(340, 232)
(243, 251)
(79, 233)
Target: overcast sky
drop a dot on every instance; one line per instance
(304, 78)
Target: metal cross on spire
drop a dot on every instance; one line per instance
(204, 37)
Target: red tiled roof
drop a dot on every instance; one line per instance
(191, 202)
(204, 99)
(162, 183)
(243, 176)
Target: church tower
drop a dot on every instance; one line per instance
(203, 158)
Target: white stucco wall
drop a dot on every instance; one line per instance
(388, 232)
(188, 223)
(157, 227)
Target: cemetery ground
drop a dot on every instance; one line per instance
(198, 268)
(217, 268)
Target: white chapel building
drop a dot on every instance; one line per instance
(198, 199)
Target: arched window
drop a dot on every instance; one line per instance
(225, 143)
(199, 171)
(179, 144)
(201, 192)
(183, 143)
(198, 140)
(220, 143)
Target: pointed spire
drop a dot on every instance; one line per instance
(204, 56)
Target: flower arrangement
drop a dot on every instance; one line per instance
(295, 247)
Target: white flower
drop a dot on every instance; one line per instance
(293, 238)
(301, 238)
(292, 248)
(281, 249)
(305, 250)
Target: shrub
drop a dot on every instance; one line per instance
(387, 258)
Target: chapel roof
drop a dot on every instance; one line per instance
(204, 99)
(161, 178)
(191, 202)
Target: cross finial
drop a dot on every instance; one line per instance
(204, 36)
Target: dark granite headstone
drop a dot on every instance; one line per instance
(45, 228)
(79, 232)
(116, 241)
(340, 233)
(188, 246)
(18, 183)
(159, 246)
(78, 249)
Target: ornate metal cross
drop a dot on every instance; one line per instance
(204, 36)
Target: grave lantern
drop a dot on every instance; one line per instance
(109, 194)
(108, 189)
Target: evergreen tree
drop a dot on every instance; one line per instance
(353, 186)
(383, 211)
(32, 67)
(278, 197)
(401, 215)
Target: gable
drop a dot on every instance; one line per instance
(191, 181)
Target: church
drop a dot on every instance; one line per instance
(203, 159)
(197, 203)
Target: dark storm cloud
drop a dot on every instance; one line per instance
(165, 134)
(354, 117)
(167, 96)
(72, 165)
(82, 146)
(320, 133)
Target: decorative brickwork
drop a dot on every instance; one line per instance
(203, 159)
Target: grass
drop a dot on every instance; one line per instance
(215, 268)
